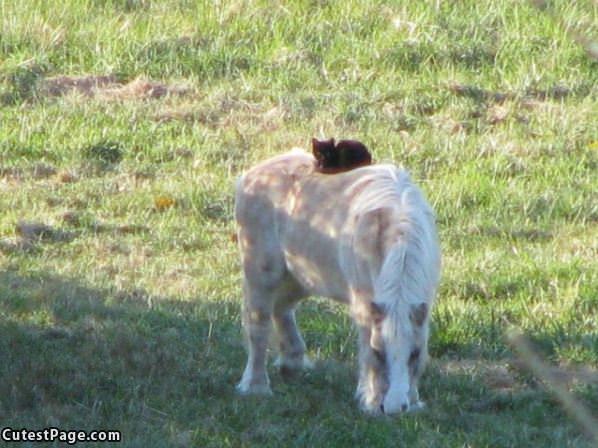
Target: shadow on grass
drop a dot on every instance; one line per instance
(163, 371)
(75, 355)
(159, 370)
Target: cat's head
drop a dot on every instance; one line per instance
(323, 150)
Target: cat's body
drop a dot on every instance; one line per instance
(343, 156)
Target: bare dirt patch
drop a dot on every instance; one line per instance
(13, 245)
(29, 233)
(82, 220)
(36, 171)
(568, 375)
(555, 92)
(109, 87)
(144, 89)
(37, 231)
(497, 376)
(11, 173)
(84, 85)
(510, 374)
(67, 177)
(245, 117)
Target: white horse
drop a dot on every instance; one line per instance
(367, 238)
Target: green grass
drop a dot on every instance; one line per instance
(125, 315)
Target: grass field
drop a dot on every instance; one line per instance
(123, 125)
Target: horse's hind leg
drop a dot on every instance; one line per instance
(264, 274)
(291, 345)
(257, 312)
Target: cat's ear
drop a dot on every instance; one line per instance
(315, 144)
(332, 142)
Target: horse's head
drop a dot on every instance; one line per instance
(396, 355)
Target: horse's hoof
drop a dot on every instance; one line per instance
(286, 365)
(417, 406)
(308, 364)
(253, 389)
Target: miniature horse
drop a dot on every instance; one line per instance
(366, 238)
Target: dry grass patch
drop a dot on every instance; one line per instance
(141, 89)
(37, 171)
(499, 375)
(109, 87)
(223, 113)
(87, 85)
(29, 234)
(37, 231)
(513, 374)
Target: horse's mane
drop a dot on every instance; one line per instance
(410, 267)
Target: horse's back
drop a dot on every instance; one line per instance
(339, 228)
(326, 230)
(272, 179)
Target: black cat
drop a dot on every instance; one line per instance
(344, 156)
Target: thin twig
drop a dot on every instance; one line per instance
(577, 34)
(546, 374)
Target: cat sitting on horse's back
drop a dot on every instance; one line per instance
(365, 237)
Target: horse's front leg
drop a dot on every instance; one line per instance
(257, 313)
(372, 384)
